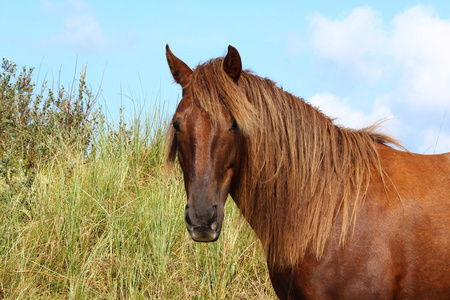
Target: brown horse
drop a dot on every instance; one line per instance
(340, 214)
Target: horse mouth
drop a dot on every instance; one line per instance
(203, 234)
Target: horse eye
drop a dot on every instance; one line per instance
(176, 126)
(234, 126)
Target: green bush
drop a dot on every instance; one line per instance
(33, 125)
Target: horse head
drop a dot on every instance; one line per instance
(207, 148)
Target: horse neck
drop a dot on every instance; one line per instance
(295, 175)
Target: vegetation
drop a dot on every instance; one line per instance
(88, 212)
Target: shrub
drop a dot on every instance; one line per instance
(32, 125)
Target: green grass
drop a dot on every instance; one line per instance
(110, 226)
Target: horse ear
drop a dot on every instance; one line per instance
(232, 64)
(180, 71)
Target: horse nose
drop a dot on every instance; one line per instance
(200, 217)
(202, 222)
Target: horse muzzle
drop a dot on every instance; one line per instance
(203, 225)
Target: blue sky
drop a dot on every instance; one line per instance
(359, 61)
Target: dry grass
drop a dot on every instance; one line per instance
(110, 226)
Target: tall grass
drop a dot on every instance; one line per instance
(109, 225)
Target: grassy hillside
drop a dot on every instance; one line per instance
(87, 211)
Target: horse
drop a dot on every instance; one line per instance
(340, 213)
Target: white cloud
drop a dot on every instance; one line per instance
(57, 6)
(421, 46)
(81, 31)
(435, 142)
(354, 43)
(405, 59)
(413, 51)
(346, 115)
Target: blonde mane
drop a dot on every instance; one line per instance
(299, 171)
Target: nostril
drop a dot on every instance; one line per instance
(214, 216)
(187, 219)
